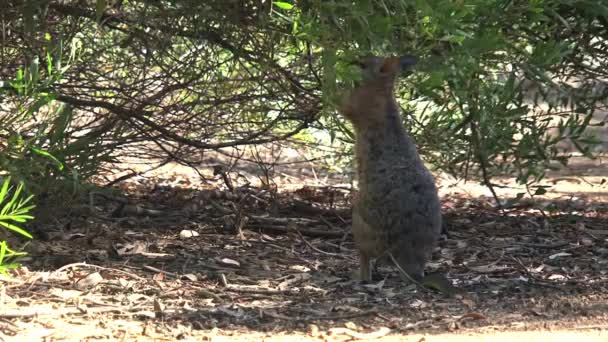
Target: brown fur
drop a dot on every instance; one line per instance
(364, 103)
(398, 209)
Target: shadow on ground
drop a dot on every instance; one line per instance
(191, 263)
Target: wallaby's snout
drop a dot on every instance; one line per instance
(397, 65)
(374, 67)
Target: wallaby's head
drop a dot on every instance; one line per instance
(372, 100)
(385, 69)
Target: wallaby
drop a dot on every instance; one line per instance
(397, 212)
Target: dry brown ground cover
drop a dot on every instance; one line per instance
(164, 259)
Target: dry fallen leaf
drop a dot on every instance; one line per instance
(556, 277)
(347, 308)
(351, 325)
(491, 268)
(560, 254)
(375, 287)
(89, 281)
(313, 330)
(473, 316)
(419, 304)
(159, 308)
(229, 262)
(65, 294)
(186, 234)
(190, 276)
(293, 279)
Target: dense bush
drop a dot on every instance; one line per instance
(172, 77)
(502, 83)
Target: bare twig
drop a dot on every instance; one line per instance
(304, 231)
(315, 248)
(320, 318)
(405, 274)
(136, 173)
(361, 336)
(85, 265)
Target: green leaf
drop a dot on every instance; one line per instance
(18, 218)
(48, 155)
(4, 189)
(3, 249)
(283, 5)
(64, 117)
(49, 64)
(15, 229)
(11, 205)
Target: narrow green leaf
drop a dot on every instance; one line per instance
(48, 155)
(16, 218)
(283, 5)
(10, 266)
(16, 229)
(10, 205)
(3, 248)
(64, 117)
(49, 64)
(23, 211)
(4, 190)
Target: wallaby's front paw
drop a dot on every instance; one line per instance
(359, 275)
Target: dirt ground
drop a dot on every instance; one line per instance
(170, 257)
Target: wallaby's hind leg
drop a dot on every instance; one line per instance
(365, 271)
(366, 241)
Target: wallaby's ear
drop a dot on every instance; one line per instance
(407, 61)
(360, 64)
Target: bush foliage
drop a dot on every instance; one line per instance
(14, 210)
(174, 77)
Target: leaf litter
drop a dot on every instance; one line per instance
(191, 267)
